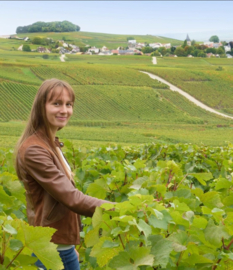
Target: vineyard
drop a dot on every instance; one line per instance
(173, 211)
(210, 86)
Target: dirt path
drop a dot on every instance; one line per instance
(62, 57)
(189, 97)
(154, 60)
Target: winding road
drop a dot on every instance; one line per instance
(183, 93)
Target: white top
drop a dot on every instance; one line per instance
(59, 246)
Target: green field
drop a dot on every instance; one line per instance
(116, 103)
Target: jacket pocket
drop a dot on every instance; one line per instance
(56, 213)
(52, 212)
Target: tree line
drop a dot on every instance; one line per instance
(64, 26)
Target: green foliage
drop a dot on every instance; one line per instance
(180, 51)
(63, 26)
(214, 39)
(173, 207)
(173, 210)
(130, 38)
(18, 240)
(26, 48)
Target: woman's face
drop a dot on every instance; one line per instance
(59, 109)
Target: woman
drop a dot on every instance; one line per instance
(52, 199)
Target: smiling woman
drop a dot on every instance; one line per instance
(59, 108)
(52, 199)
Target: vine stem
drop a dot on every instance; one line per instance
(181, 253)
(227, 248)
(15, 257)
(121, 241)
(182, 180)
(3, 248)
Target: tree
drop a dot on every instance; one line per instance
(26, 48)
(180, 51)
(155, 53)
(201, 54)
(214, 39)
(184, 44)
(173, 49)
(162, 50)
(193, 42)
(220, 50)
(130, 38)
(37, 40)
(210, 50)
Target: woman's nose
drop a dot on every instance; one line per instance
(64, 108)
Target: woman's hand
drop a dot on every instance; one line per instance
(77, 253)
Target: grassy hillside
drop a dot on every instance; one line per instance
(117, 103)
(208, 80)
(111, 41)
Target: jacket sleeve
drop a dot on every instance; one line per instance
(40, 166)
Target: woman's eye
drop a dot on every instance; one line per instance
(69, 105)
(56, 103)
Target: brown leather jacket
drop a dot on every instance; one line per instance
(52, 198)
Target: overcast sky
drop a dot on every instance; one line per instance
(165, 18)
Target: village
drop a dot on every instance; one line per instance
(205, 49)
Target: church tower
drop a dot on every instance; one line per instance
(188, 40)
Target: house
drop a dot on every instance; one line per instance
(65, 45)
(94, 50)
(167, 45)
(20, 48)
(41, 49)
(126, 52)
(88, 53)
(155, 45)
(209, 44)
(132, 41)
(217, 45)
(63, 50)
(105, 53)
(229, 56)
(210, 55)
(103, 49)
(227, 48)
(115, 51)
(75, 49)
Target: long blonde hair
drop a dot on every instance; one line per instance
(38, 120)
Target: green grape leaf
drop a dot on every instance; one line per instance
(103, 255)
(215, 233)
(202, 177)
(9, 229)
(144, 227)
(37, 240)
(15, 244)
(222, 183)
(97, 217)
(179, 240)
(137, 184)
(26, 260)
(194, 259)
(161, 249)
(92, 237)
(17, 190)
(199, 222)
(211, 199)
(96, 190)
(6, 199)
(135, 256)
(110, 244)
